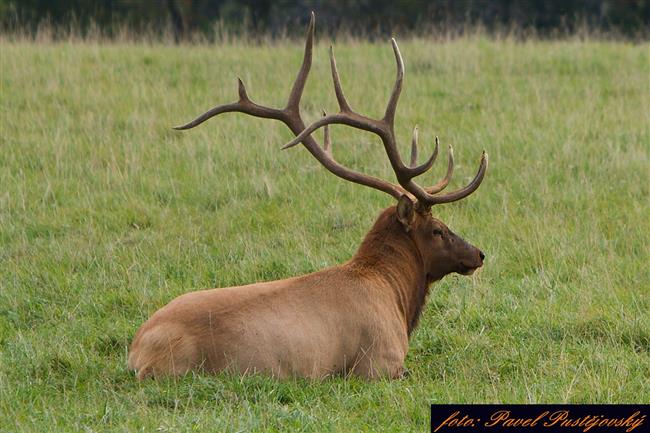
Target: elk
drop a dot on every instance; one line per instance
(351, 319)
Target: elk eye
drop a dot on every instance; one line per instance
(437, 232)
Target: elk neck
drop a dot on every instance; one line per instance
(389, 254)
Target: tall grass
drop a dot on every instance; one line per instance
(106, 214)
(76, 30)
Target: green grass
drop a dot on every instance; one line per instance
(106, 214)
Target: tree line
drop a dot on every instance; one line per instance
(629, 18)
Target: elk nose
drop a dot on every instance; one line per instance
(481, 255)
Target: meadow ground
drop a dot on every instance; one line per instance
(106, 214)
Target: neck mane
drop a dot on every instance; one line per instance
(389, 253)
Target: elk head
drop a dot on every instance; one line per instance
(442, 251)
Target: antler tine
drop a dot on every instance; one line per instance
(326, 138)
(414, 147)
(463, 192)
(299, 85)
(340, 97)
(389, 116)
(414, 170)
(442, 184)
(414, 154)
(241, 90)
(244, 105)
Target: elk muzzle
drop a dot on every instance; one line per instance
(469, 257)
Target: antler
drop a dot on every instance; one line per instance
(384, 128)
(290, 116)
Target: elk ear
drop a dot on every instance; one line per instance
(406, 212)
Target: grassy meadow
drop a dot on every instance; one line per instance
(106, 214)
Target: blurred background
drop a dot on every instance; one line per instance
(191, 19)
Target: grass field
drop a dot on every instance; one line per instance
(106, 214)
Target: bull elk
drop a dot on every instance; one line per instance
(355, 318)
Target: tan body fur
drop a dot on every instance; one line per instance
(351, 319)
(310, 326)
(339, 320)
